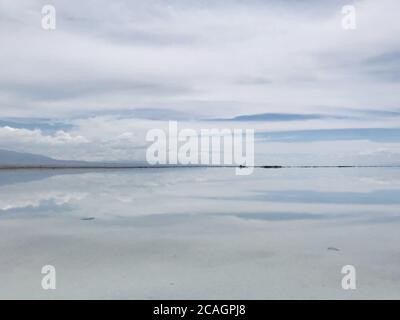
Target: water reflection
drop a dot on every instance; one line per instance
(211, 233)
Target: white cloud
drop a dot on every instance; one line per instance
(215, 59)
(135, 53)
(34, 199)
(10, 135)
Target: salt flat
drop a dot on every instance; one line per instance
(200, 233)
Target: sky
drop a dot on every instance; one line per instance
(110, 71)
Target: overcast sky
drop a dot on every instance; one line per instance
(113, 69)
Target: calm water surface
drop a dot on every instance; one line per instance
(200, 233)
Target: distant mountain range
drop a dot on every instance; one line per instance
(13, 159)
(16, 160)
(19, 159)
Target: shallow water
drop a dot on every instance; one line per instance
(200, 233)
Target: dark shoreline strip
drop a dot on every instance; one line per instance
(190, 167)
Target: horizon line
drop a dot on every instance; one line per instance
(111, 167)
